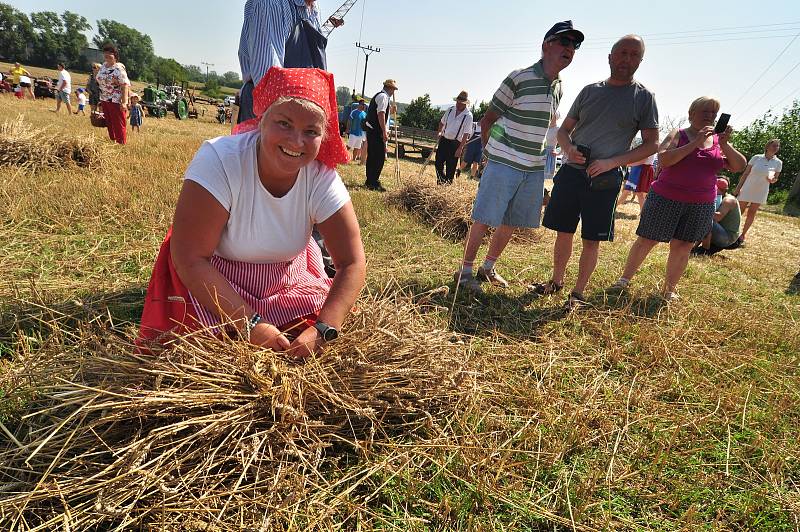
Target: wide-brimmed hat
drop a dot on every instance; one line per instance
(462, 97)
(392, 84)
(563, 27)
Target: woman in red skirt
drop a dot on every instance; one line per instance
(240, 252)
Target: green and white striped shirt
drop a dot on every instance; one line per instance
(525, 102)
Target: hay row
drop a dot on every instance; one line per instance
(34, 149)
(213, 435)
(448, 209)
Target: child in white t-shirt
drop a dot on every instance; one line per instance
(81, 95)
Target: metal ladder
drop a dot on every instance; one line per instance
(328, 27)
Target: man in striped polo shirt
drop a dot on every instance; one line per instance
(513, 131)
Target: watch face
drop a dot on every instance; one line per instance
(330, 334)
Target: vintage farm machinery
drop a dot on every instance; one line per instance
(175, 99)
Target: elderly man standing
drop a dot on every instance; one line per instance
(284, 33)
(596, 137)
(454, 131)
(513, 131)
(378, 134)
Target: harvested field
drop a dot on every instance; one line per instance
(629, 415)
(28, 148)
(215, 432)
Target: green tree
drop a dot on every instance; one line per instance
(231, 79)
(16, 31)
(49, 29)
(166, 70)
(73, 41)
(195, 73)
(135, 48)
(479, 110)
(419, 113)
(786, 127)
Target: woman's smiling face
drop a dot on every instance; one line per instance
(291, 135)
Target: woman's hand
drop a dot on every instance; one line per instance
(725, 136)
(267, 335)
(703, 135)
(308, 343)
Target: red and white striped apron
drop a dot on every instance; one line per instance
(280, 292)
(283, 293)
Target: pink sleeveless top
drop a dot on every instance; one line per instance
(693, 179)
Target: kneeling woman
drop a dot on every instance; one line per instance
(680, 205)
(240, 250)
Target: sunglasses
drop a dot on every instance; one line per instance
(563, 40)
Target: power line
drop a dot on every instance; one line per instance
(434, 49)
(772, 87)
(758, 78)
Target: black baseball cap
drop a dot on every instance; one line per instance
(563, 27)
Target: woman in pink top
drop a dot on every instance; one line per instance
(680, 205)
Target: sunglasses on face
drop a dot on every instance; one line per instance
(563, 40)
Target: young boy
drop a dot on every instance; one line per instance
(81, 95)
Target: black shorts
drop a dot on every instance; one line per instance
(663, 219)
(572, 201)
(24, 85)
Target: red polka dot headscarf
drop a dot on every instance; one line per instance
(310, 84)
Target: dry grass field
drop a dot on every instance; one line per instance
(629, 415)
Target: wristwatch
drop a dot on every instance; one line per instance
(251, 324)
(327, 332)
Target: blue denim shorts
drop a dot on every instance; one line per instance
(507, 196)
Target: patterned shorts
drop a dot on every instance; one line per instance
(664, 219)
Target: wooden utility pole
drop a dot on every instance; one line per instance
(207, 65)
(367, 51)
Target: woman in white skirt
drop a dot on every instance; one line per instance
(753, 187)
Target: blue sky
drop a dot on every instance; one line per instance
(440, 47)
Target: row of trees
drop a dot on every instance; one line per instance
(420, 113)
(45, 38)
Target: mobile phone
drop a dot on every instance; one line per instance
(722, 123)
(584, 150)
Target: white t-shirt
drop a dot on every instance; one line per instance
(456, 126)
(382, 103)
(64, 76)
(551, 137)
(261, 228)
(650, 160)
(25, 79)
(81, 98)
(761, 166)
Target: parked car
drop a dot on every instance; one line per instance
(230, 100)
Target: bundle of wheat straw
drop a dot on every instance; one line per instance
(210, 433)
(447, 208)
(33, 148)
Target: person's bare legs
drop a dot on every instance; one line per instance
(474, 239)
(676, 263)
(623, 197)
(639, 251)
(562, 251)
(640, 197)
(752, 210)
(586, 264)
(500, 239)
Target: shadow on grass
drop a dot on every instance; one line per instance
(794, 286)
(649, 306)
(44, 318)
(488, 313)
(625, 216)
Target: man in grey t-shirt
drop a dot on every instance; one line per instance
(605, 117)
